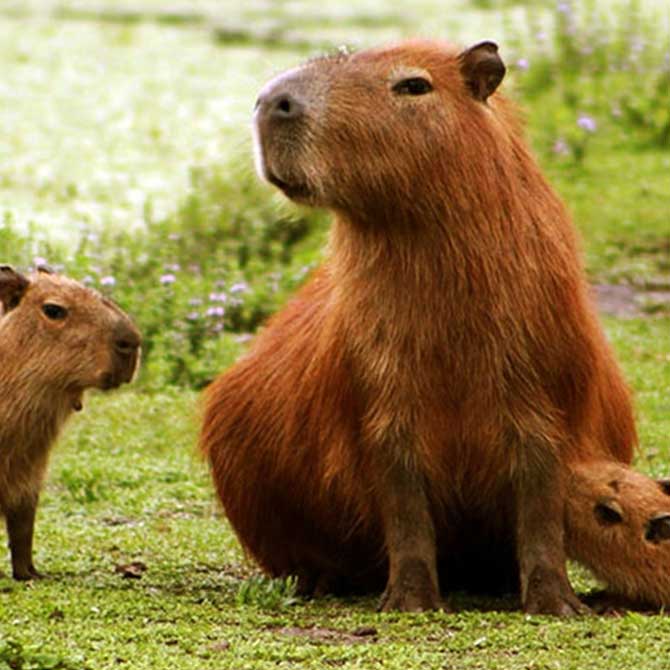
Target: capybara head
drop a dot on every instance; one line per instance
(377, 126)
(618, 524)
(63, 335)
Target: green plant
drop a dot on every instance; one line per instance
(267, 594)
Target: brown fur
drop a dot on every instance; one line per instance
(410, 415)
(618, 524)
(46, 364)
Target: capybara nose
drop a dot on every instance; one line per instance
(280, 106)
(127, 341)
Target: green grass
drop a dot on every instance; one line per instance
(120, 490)
(112, 112)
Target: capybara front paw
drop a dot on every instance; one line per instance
(413, 590)
(553, 595)
(26, 573)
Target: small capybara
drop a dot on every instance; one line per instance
(57, 339)
(407, 421)
(618, 524)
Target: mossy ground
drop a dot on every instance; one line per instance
(104, 115)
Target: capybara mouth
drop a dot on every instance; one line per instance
(294, 191)
(112, 380)
(109, 381)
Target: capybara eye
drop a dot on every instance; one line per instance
(413, 86)
(54, 312)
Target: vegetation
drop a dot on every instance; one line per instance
(128, 164)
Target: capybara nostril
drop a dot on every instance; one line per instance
(126, 340)
(127, 346)
(285, 107)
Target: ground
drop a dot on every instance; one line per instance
(107, 111)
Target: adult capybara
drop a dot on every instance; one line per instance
(409, 417)
(618, 524)
(57, 339)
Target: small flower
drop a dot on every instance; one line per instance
(561, 147)
(172, 267)
(38, 261)
(523, 64)
(218, 297)
(168, 279)
(195, 302)
(174, 237)
(108, 281)
(239, 287)
(87, 280)
(216, 311)
(193, 316)
(587, 123)
(243, 338)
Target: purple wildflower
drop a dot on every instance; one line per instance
(523, 64)
(587, 123)
(168, 279)
(108, 281)
(195, 302)
(216, 311)
(561, 147)
(218, 297)
(172, 267)
(239, 287)
(193, 316)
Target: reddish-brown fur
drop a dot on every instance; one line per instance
(618, 524)
(412, 411)
(57, 338)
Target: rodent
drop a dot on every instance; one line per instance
(57, 339)
(409, 419)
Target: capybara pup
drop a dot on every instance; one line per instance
(618, 524)
(409, 417)
(57, 339)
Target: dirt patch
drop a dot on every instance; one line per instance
(331, 635)
(628, 302)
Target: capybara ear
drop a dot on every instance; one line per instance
(12, 287)
(658, 528)
(608, 512)
(664, 485)
(482, 69)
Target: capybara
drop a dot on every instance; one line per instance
(618, 524)
(408, 418)
(57, 339)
